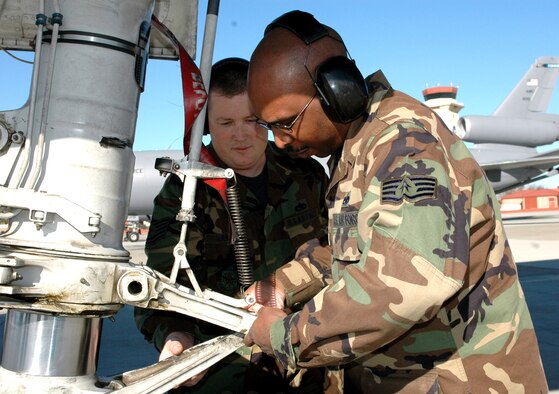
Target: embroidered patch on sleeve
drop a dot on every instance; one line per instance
(410, 188)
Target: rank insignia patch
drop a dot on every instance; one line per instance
(408, 187)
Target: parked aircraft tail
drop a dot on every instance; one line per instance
(521, 119)
(533, 92)
(506, 143)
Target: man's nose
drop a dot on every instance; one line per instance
(241, 131)
(282, 139)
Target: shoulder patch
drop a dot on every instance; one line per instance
(410, 188)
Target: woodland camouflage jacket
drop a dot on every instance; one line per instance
(425, 292)
(293, 214)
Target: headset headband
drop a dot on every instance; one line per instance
(339, 85)
(300, 23)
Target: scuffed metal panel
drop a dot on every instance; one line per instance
(17, 25)
(181, 17)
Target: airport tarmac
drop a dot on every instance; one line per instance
(534, 240)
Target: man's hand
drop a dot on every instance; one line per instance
(259, 333)
(176, 343)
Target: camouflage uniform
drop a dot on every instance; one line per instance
(293, 214)
(425, 295)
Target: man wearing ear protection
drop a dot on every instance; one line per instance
(424, 295)
(282, 201)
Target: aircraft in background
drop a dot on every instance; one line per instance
(147, 181)
(505, 142)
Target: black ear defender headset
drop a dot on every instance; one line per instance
(339, 84)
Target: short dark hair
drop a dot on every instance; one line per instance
(229, 76)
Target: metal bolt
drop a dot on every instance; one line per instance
(250, 299)
(18, 137)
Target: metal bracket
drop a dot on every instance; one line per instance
(196, 169)
(37, 202)
(145, 288)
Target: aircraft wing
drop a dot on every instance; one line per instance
(542, 163)
(508, 174)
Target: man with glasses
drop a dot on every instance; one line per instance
(424, 294)
(282, 202)
(283, 127)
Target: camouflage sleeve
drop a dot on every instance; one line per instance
(163, 235)
(310, 271)
(302, 278)
(398, 254)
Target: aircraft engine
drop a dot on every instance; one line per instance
(508, 130)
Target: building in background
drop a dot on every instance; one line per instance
(530, 199)
(442, 100)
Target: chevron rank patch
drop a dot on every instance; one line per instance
(409, 187)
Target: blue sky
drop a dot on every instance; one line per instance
(482, 46)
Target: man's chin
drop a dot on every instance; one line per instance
(299, 153)
(321, 154)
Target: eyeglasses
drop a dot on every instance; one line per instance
(284, 127)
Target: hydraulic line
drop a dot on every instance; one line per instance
(38, 157)
(15, 182)
(24, 163)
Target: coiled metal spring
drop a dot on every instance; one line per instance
(242, 250)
